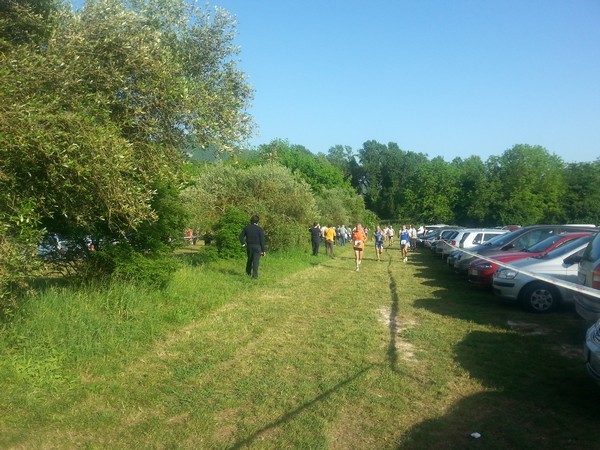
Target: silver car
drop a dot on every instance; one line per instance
(591, 351)
(536, 294)
(588, 306)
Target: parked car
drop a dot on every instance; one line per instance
(469, 245)
(443, 234)
(446, 243)
(537, 294)
(591, 351)
(481, 271)
(432, 234)
(588, 274)
(469, 238)
(55, 247)
(516, 240)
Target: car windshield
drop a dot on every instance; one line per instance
(495, 240)
(566, 249)
(504, 239)
(543, 245)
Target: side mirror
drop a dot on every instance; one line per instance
(573, 259)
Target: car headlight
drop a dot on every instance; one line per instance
(484, 266)
(507, 274)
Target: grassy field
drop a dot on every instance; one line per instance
(311, 356)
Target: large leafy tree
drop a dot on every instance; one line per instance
(96, 107)
(530, 186)
(580, 203)
(431, 196)
(474, 192)
(316, 170)
(284, 202)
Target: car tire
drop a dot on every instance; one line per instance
(540, 297)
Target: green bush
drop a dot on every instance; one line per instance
(227, 231)
(122, 262)
(206, 254)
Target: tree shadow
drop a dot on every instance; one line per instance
(300, 409)
(536, 398)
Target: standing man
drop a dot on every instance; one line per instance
(329, 239)
(315, 238)
(412, 235)
(253, 238)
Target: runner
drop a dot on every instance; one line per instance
(358, 241)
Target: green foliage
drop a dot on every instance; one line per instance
(580, 203)
(122, 262)
(205, 255)
(96, 108)
(387, 171)
(343, 206)
(284, 203)
(531, 186)
(316, 170)
(227, 231)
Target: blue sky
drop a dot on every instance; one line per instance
(450, 78)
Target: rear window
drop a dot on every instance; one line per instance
(592, 251)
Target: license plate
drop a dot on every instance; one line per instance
(473, 272)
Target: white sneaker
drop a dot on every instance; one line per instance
(357, 268)
(405, 259)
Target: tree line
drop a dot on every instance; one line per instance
(124, 123)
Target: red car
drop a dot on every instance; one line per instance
(481, 272)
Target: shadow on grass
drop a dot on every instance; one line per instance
(392, 352)
(294, 413)
(538, 395)
(537, 399)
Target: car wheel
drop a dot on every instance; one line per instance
(540, 297)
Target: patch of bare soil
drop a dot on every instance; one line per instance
(397, 325)
(530, 329)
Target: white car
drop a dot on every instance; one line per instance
(540, 295)
(472, 240)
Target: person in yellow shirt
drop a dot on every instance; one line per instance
(359, 238)
(329, 240)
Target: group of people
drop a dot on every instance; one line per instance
(253, 238)
(329, 235)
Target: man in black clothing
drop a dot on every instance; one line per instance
(253, 238)
(315, 238)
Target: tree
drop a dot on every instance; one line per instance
(530, 186)
(340, 156)
(582, 197)
(474, 196)
(432, 196)
(284, 202)
(316, 170)
(97, 108)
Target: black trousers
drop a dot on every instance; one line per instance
(315, 246)
(253, 253)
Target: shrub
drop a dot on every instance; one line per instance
(122, 262)
(227, 231)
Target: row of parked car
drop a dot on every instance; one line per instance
(538, 267)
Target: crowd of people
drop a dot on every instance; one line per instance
(358, 235)
(253, 238)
